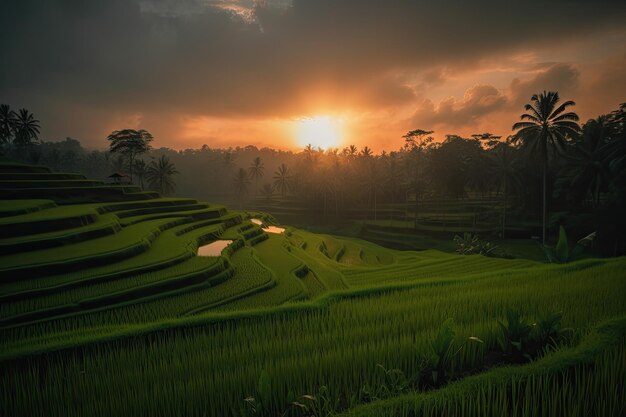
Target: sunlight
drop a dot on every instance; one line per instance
(319, 131)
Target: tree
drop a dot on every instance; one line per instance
(416, 141)
(241, 182)
(141, 169)
(282, 179)
(546, 128)
(504, 172)
(130, 143)
(7, 124)
(256, 171)
(26, 128)
(160, 174)
(587, 166)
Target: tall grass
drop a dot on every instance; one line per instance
(209, 370)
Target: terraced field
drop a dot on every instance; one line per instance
(106, 309)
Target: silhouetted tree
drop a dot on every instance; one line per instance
(26, 128)
(504, 172)
(282, 179)
(587, 166)
(416, 142)
(130, 143)
(7, 124)
(256, 171)
(546, 127)
(141, 169)
(160, 175)
(241, 182)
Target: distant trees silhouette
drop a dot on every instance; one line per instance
(584, 185)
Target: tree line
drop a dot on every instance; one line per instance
(550, 168)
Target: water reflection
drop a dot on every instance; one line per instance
(214, 248)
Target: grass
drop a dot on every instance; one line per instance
(134, 323)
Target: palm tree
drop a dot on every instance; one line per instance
(159, 174)
(256, 171)
(7, 124)
(241, 182)
(26, 128)
(282, 179)
(544, 128)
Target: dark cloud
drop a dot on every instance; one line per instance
(254, 59)
(560, 77)
(478, 101)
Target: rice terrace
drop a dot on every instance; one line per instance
(296, 208)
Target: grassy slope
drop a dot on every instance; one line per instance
(309, 309)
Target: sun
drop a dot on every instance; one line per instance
(319, 131)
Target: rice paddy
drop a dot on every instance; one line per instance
(109, 306)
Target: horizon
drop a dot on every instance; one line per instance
(282, 74)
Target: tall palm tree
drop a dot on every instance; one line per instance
(241, 182)
(7, 124)
(26, 128)
(256, 171)
(546, 127)
(282, 179)
(160, 175)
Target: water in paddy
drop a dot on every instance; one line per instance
(273, 229)
(213, 249)
(268, 229)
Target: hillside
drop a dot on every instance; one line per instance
(102, 287)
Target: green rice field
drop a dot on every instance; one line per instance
(107, 310)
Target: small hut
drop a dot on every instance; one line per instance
(119, 178)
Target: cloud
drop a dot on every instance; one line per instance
(478, 101)
(273, 58)
(561, 77)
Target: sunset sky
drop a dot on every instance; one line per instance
(272, 73)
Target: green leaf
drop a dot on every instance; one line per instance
(562, 249)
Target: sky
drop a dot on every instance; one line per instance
(244, 72)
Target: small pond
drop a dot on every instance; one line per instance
(268, 229)
(274, 229)
(214, 248)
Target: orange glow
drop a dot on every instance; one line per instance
(319, 131)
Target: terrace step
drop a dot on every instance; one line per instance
(31, 176)
(209, 276)
(74, 195)
(105, 225)
(47, 183)
(16, 167)
(11, 208)
(171, 247)
(124, 244)
(48, 220)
